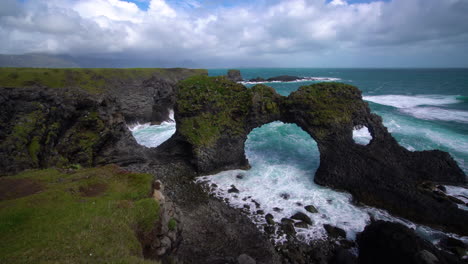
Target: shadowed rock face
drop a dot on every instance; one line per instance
(59, 117)
(214, 117)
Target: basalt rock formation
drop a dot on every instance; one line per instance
(385, 243)
(214, 117)
(62, 117)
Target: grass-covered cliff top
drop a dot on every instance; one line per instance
(82, 216)
(92, 80)
(209, 106)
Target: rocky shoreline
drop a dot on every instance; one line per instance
(45, 127)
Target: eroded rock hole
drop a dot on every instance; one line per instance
(361, 135)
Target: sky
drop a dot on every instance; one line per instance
(244, 33)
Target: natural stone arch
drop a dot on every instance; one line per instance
(214, 117)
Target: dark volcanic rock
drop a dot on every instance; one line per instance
(302, 217)
(234, 75)
(284, 78)
(233, 189)
(385, 242)
(453, 245)
(43, 127)
(334, 231)
(311, 209)
(269, 219)
(382, 174)
(258, 79)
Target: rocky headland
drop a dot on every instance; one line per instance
(73, 118)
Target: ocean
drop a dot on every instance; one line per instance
(423, 109)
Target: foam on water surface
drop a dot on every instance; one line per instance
(424, 106)
(362, 135)
(305, 79)
(153, 136)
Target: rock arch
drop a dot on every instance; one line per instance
(214, 117)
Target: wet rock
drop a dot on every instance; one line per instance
(257, 204)
(258, 79)
(302, 217)
(389, 243)
(442, 188)
(260, 212)
(233, 189)
(284, 78)
(287, 226)
(240, 176)
(343, 256)
(269, 229)
(246, 206)
(426, 257)
(453, 245)
(347, 243)
(285, 196)
(456, 200)
(269, 219)
(311, 209)
(334, 231)
(299, 204)
(301, 224)
(277, 209)
(245, 259)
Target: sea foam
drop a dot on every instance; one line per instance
(424, 106)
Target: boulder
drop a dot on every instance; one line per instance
(302, 217)
(386, 242)
(334, 231)
(311, 209)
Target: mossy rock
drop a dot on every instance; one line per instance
(208, 107)
(326, 106)
(60, 222)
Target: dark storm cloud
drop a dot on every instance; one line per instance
(288, 32)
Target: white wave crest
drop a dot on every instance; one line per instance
(436, 113)
(406, 101)
(305, 79)
(423, 106)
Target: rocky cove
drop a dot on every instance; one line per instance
(80, 118)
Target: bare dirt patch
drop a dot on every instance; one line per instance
(17, 188)
(93, 190)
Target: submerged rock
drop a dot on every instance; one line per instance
(233, 189)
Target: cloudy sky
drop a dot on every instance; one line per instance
(243, 33)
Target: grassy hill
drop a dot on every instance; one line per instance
(75, 216)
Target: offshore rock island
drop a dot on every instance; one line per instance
(64, 133)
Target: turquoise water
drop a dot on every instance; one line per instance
(423, 109)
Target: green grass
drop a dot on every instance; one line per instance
(327, 106)
(94, 80)
(61, 225)
(210, 106)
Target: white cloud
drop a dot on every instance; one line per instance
(298, 29)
